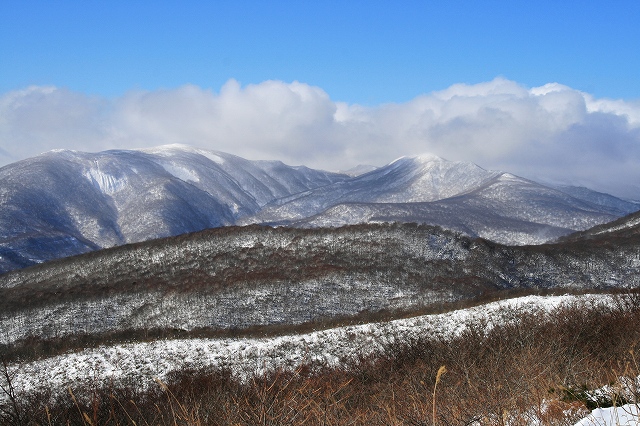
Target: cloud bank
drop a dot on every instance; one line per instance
(551, 133)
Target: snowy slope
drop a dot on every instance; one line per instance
(142, 362)
(625, 226)
(623, 206)
(63, 203)
(454, 195)
(626, 415)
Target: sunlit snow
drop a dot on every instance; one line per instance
(107, 183)
(626, 415)
(181, 172)
(142, 362)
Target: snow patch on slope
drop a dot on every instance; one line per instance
(628, 224)
(211, 156)
(172, 149)
(181, 172)
(626, 415)
(106, 182)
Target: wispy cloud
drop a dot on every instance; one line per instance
(552, 132)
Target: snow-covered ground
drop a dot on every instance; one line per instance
(626, 415)
(140, 363)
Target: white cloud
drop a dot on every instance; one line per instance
(551, 132)
(38, 119)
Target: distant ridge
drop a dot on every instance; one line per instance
(454, 195)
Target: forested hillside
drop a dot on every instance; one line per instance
(241, 277)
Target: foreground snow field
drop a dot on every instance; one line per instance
(627, 415)
(141, 363)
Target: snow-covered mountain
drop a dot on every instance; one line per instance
(358, 170)
(64, 203)
(455, 195)
(586, 194)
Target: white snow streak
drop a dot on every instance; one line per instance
(107, 183)
(140, 363)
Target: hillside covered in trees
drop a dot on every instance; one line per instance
(236, 278)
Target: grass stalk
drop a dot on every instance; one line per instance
(441, 371)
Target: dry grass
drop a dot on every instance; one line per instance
(536, 369)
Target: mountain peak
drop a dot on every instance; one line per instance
(425, 158)
(169, 149)
(429, 158)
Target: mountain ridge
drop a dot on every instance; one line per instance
(513, 210)
(65, 202)
(68, 202)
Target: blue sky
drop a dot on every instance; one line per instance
(366, 52)
(548, 90)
